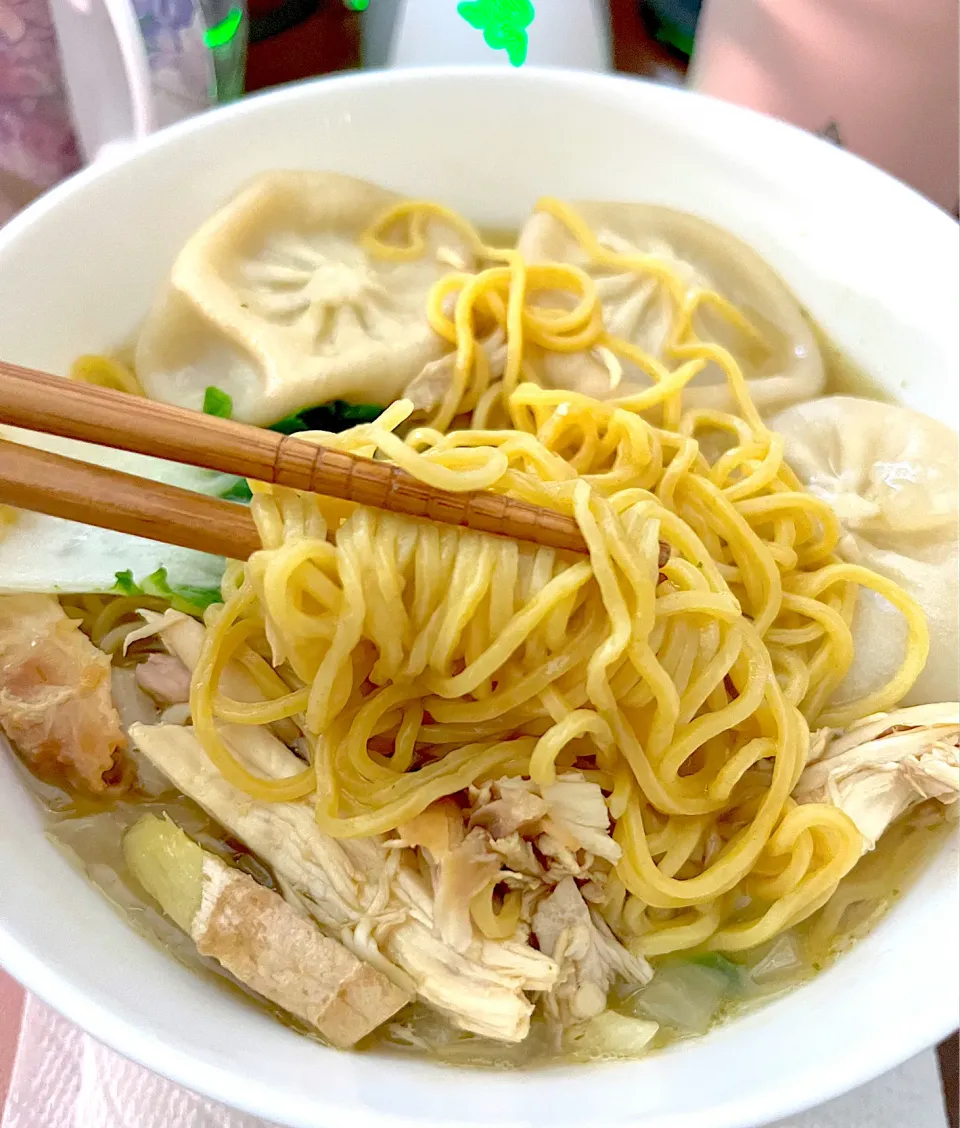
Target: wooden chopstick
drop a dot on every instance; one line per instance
(41, 402)
(80, 491)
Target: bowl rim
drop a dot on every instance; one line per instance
(863, 1063)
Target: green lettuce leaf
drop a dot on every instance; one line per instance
(181, 597)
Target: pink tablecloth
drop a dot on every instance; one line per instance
(11, 1007)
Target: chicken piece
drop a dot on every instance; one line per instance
(462, 874)
(578, 818)
(514, 805)
(165, 678)
(258, 937)
(438, 829)
(564, 817)
(55, 703)
(589, 955)
(461, 867)
(482, 990)
(518, 856)
(562, 859)
(284, 835)
(885, 764)
(183, 637)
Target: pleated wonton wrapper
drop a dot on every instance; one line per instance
(275, 302)
(785, 369)
(893, 478)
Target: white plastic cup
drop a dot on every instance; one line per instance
(404, 33)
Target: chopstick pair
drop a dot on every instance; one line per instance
(94, 495)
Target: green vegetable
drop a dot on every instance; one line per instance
(217, 402)
(181, 597)
(335, 416)
(717, 962)
(239, 491)
(358, 412)
(125, 584)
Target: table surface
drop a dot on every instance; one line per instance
(330, 41)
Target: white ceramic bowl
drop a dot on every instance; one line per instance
(876, 265)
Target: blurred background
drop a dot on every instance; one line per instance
(879, 77)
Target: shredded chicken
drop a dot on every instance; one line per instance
(578, 816)
(337, 882)
(518, 856)
(463, 873)
(461, 867)
(562, 860)
(521, 837)
(513, 806)
(589, 955)
(518, 808)
(165, 678)
(438, 829)
(407, 903)
(55, 703)
(884, 765)
(563, 818)
(183, 638)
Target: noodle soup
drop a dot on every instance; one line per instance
(433, 791)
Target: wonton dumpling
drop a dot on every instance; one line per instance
(275, 302)
(891, 475)
(637, 309)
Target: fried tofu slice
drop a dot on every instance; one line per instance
(258, 937)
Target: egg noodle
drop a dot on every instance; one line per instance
(680, 666)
